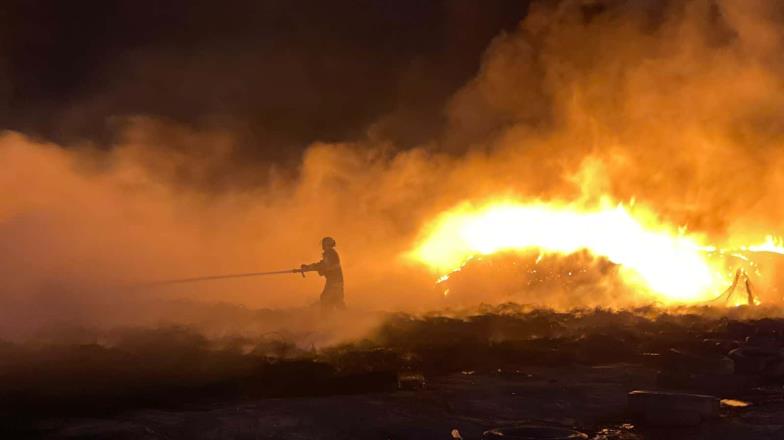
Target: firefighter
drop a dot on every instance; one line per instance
(329, 267)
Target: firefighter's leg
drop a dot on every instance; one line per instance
(332, 296)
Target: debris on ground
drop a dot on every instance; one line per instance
(533, 432)
(495, 366)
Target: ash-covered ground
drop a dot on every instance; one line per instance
(408, 377)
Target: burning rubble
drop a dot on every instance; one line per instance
(628, 246)
(573, 280)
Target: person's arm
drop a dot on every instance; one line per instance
(329, 261)
(313, 267)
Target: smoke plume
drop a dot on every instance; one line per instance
(674, 104)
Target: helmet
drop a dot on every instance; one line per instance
(328, 242)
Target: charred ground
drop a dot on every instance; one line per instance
(51, 387)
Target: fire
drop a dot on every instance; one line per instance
(771, 244)
(655, 257)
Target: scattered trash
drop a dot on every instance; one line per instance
(533, 432)
(617, 432)
(456, 435)
(410, 381)
(732, 403)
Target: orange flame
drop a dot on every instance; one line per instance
(771, 244)
(655, 257)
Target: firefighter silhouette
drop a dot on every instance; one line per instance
(329, 267)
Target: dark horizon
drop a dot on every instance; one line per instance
(278, 74)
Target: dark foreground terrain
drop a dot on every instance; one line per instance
(411, 378)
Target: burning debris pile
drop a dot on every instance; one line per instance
(564, 281)
(610, 255)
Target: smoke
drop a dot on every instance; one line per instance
(675, 104)
(81, 227)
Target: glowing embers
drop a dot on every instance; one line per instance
(654, 257)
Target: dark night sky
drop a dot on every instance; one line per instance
(279, 73)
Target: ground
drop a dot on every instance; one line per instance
(591, 398)
(414, 377)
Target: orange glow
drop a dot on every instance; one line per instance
(655, 257)
(771, 244)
